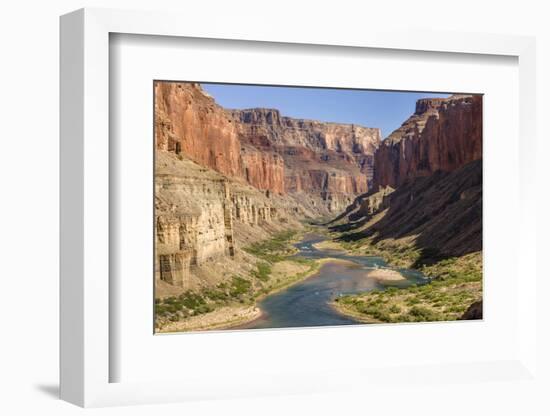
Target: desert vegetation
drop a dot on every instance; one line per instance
(455, 284)
(235, 190)
(275, 269)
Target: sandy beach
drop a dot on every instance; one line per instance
(328, 245)
(284, 274)
(386, 275)
(222, 318)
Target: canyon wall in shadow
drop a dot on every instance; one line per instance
(427, 183)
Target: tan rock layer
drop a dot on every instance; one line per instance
(197, 212)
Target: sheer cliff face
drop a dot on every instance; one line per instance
(330, 162)
(427, 189)
(264, 126)
(190, 123)
(263, 170)
(200, 219)
(225, 179)
(442, 134)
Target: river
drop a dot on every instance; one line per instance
(307, 303)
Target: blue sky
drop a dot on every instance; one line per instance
(383, 109)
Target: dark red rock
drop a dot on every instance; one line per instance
(442, 134)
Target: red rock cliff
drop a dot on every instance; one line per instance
(328, 161)
(188, 121)
(443, 134)
(264, 170)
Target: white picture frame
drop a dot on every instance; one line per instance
(86, 356)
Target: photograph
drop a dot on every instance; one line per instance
(296, 206)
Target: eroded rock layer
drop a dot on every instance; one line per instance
(443, 134)
(203, 218)
(189, 122)
(440, 214)
(427, 188)
(329, 162)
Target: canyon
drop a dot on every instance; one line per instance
(439, 214)
(203, 219)
(423, 212)
(427, 182)
(323, 164)
(226, 179)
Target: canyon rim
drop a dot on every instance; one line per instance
(266, 218)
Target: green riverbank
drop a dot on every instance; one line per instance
(233, 302)
(456, 283)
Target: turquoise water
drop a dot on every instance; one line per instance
(308, 303)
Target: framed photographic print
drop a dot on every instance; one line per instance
(287, 213)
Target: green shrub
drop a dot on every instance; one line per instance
(422, 313)
(273, 250)
(262, 272)
(160, 310)
(403, 318)
(239, 286)
(191, 300)
(394, 309)
(412, 301)
(455, 309)
(217, 295)
(203, 309)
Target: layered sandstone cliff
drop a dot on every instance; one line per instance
(443, 134)
(193, 218)
(203, 218)
(326, 165)
(263, 170)
(189, 122)
(330, 162)
(266, 127)
(427, 189)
